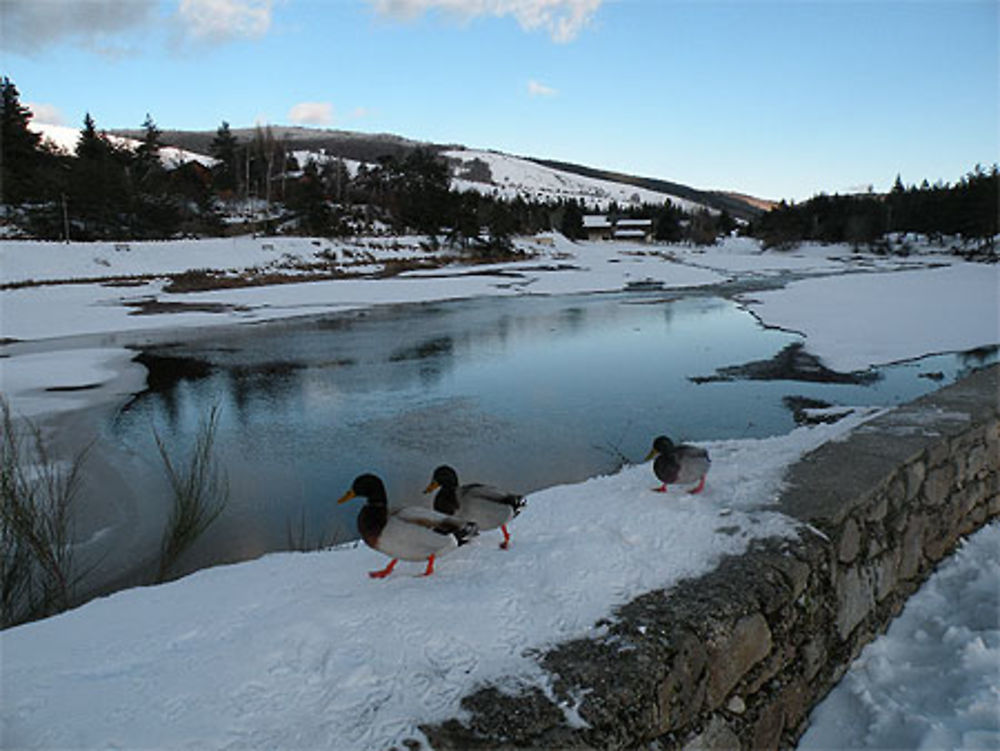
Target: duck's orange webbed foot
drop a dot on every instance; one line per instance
(384, 572)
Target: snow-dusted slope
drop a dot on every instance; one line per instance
(305, 651)
(511, 176)
(65, 138)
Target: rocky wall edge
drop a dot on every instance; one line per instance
(737, 658)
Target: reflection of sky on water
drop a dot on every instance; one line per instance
(522, 393)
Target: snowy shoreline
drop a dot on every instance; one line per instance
(830, 310)
(301, 649)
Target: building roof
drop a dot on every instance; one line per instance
(634, 223)
(596, 221)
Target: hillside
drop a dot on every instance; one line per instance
(551, 179)
(737, 204)
(361, 147)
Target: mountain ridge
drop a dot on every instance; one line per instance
(368, 147)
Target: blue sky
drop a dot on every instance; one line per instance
(776, 99)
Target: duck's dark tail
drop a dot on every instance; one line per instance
(460, 529)
(467, 532)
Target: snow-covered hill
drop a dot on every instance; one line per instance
(492, 172)
(487, 172)
(65, 138)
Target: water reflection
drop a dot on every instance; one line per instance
(522, 393)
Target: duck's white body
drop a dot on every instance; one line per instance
(487, 507)
(414, 533)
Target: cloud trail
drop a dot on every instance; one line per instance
(562, 19)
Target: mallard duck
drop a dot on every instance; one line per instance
(679, 464)
(485, 505)
(412, 533)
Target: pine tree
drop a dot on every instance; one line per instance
(571, 224)
(20, 152)
(147, 154)
(224, 148)
(91, 144)
(99, 195)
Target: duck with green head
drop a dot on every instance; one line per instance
(679, 464)
(485, 505)
(411, 533)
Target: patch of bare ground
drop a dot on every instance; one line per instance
(152, 306)
(206, 280)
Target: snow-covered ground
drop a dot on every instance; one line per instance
(302, 649)
(933, 680)
(945, 309)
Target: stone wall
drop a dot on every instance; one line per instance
(737, 658)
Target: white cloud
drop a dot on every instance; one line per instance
(45, 113)
(225, 19)
(311, 113)
(540, 89)
(30, 25)
(562, 19)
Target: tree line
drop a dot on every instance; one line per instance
(109, 189)
(967, 210)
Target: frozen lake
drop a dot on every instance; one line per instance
(523, 393)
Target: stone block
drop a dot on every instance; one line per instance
(976, 460)
(682, 693)
(782, 655)
(813, 657)
(733, 653)
(938, 484)
(915, 474)
(767, 729)
(850, 541)
(938, 454)
(796, 699)
(795, 572)
(911, 554)
(972, 495)
(855, 599)
(877, 542)
(885, 569)
(939, 539)
(880, 508)
(717, 736)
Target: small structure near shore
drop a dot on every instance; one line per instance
(601, 227)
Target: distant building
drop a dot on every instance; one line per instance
(600, 227)
(597, 227)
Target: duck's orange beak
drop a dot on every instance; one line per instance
(432, 486)
(650, 455)
(346, 497)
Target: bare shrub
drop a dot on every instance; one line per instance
(37, 493)
(200, 493)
